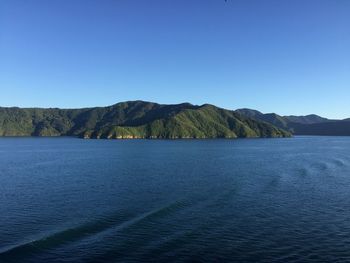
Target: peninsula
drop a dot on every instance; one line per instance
(135, 119)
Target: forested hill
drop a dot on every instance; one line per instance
(302, 125)
(135, 119)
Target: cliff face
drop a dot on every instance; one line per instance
(135, 119)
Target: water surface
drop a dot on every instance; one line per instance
(246, 200)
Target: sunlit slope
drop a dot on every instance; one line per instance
(135, 119)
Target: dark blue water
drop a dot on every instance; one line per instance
(249, 200)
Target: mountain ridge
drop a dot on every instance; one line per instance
(142, 119)
(134, 119)
(311, 124)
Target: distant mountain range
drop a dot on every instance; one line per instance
(302, 125)
(140, 119)
(135, 119)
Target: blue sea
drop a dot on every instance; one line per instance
(240, 200)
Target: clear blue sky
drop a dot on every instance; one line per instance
(284, 56)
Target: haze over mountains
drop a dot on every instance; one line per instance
(302, 125)
(140, 119)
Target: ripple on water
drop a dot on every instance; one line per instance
(53, 240)
(119, 221)
(210, 201)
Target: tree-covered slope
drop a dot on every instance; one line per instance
(308, 119)
(271, 118)
(135, 119)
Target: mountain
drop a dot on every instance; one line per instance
(135, 119)
(308, 119)
(271, 118)
(302, 125)
(329, 128)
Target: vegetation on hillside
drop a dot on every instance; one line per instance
(135, 119)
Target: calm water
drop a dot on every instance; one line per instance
(250, 200)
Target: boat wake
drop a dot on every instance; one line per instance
(117, 221)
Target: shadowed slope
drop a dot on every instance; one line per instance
(302, 125)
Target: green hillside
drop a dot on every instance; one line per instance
(135, 119)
